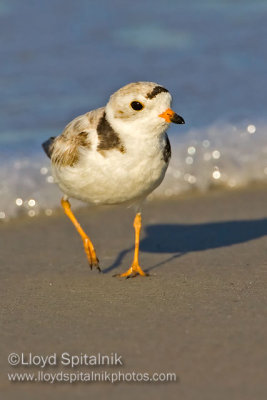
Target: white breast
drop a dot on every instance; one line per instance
(112, 177)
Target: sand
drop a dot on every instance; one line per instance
(201, 314)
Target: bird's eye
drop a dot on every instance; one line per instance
(136, 105)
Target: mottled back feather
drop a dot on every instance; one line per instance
(64, 150)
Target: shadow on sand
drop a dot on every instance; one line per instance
(180, 239)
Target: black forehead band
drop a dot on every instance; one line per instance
(156, 91)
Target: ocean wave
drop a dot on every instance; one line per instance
(221, 155)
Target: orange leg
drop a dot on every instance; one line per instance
(135, 268)
(88, 245)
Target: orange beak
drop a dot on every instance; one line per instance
(171, 116)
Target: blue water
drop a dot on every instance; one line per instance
(61, 58)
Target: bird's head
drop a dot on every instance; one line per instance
(141, 107)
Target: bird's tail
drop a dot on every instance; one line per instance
(47, 146)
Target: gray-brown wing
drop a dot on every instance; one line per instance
(64, 149)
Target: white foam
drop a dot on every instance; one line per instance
(222, 154)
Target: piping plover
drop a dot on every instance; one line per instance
(115, 154)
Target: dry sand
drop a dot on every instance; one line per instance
(201, 314)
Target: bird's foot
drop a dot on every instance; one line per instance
(132, 272)
(91, 255)
(95, 264)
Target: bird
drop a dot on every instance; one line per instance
(117, 154)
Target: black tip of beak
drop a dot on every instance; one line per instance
(176, 119)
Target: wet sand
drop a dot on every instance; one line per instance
(201, 313)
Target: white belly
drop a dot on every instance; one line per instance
(114, 177)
